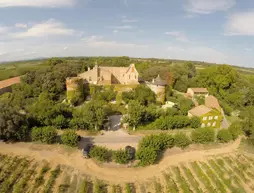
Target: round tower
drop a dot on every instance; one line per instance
(74, 87)
(158, 86)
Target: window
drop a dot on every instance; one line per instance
(208, 124)
(90, 79)
(214, 123)
(210, 117)
(203, 125)
(216, 117)
(129, 76)
(204, 118)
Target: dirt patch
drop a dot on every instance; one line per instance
(116, 175)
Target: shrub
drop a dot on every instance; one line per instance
(100, 153)
(120, 156)
(224, 136)
(157, 142)
(147, 156)
(181, 140)
(203, 135)
(44, 134)
(235, 130)
(60, 122)
(70, 138)
(195, 122)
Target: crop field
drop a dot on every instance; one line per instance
(227, 173)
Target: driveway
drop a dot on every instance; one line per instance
(115, 122)
(111, 139)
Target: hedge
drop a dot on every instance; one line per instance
(70, 138)
(181, 140)
(147, 156)
(44, 134)
(100, 153)
(121, 156)
(203, 135)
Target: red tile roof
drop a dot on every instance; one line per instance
(9, 82)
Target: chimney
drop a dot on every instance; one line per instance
(88, 69)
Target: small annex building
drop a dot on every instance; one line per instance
(103, 75)
(193, 92)
(209, 117)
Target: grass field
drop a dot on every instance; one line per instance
(227, 173)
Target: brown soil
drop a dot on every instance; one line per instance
(55, 155)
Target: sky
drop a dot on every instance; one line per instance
(218, 31)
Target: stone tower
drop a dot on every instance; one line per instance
(158, 86)
(74, 87)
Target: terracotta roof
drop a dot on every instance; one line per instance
(199, 110)
(159, 81)
(212, 102)
(199, 90)
(9, 82)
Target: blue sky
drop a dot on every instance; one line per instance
(220, 31)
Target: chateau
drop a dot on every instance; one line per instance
(111, 75)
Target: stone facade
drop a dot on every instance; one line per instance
(111, 75)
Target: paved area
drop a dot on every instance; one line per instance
(115, 122)
(111, 139)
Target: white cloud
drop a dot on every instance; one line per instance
(129, 20)
(29, 53)
(115, 31)
(21, 25)
(3, 29)
(180, 36)
(36, 3)
(98, 41)
(247, 49)
(122, 27)
(240, 24)
(65, 48)
(208, 6)
(44, 29)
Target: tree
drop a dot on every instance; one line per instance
(248, 122)
(44, 134)
(91, 114)
(13, 125)
(102, 154)
(70, 138)
(235, 129)
(224, 136)
(147, 156)
(144, 95)
(135, 113)
(195, 122)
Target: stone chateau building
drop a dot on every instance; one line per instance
(103, 75)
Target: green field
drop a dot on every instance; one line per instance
(12, 69)
(228, 173)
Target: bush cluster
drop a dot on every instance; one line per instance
(121, 156)
(44, 134)
(100, 153)
(70, 138)
(181, 140)
(203, 135)
(224, 136)
(174, 122)
(235, 129)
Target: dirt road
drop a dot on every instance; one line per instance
(57, 155)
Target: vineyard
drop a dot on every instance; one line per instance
(227, 173)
